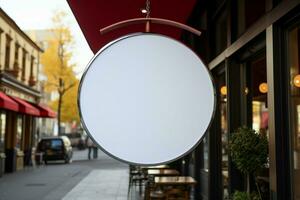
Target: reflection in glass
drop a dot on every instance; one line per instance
(205, 153)
(223, 131)
(19, 132)
(294, 64)
(224, 138)
(257, 115)
(2, 131)
(260, 117)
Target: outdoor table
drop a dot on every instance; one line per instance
(156, 167)
(162, 172)
(171, 183)
(174, 180)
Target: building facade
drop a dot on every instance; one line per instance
(19, 95)
(47, 126)
(252, 49)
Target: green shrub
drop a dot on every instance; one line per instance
(238, 195)
(248, 150)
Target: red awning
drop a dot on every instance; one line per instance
(45, 111)
(93, 15)
(25, 107)
(7, 103)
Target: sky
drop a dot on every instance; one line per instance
(37, 14)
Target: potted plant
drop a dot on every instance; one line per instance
(249, 153)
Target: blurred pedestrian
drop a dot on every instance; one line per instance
(95, 151)
(90, 145)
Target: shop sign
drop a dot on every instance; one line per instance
(11, 92)
(146, 99)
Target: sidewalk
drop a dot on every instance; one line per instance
(106, 183)
(102, 178)
(101, 184)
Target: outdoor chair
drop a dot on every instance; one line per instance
(157, 195)
(137, 177)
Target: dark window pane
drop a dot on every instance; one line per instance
(294, 64)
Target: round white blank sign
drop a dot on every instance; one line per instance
(146, 99)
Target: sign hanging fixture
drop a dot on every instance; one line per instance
(146, 98)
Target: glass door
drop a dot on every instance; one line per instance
(19, 135)
(256, 113)
(2, 131)
(222, 106)
(221, 130)
(293, 61)
(258, 89)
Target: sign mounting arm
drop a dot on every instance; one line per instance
(149, 20)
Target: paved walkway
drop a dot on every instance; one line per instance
(103, 178)
(106, 183)
(101, 184)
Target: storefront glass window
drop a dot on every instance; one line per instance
(260, 117)
(19, 135)
(205, 153)
(294, 64)
(258, 95)
(224, 138)
(223, 131)
(256, 107)
(2, 131)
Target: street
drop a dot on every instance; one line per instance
(102, 178)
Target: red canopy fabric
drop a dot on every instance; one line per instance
(93, 15)
(25, 107)
(7, 103)
(45, 111)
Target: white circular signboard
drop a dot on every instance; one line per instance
(146, 99)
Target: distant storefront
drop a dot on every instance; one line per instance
(19, 96)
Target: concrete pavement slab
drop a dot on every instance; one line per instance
(101, 184)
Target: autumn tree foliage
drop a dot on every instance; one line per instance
(59, 71)
(69, 111)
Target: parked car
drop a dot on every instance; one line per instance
(55, 148)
